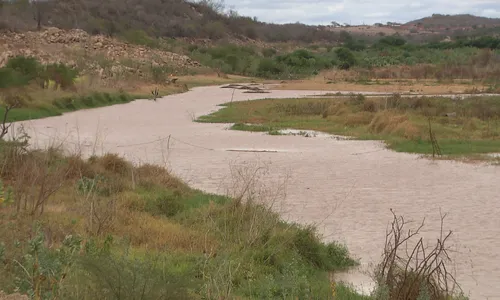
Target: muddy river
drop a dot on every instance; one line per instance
(345, 187)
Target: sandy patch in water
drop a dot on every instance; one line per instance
(345, 187)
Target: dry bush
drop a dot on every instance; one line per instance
(386, 122)
(360, 118)
(338, 109)
(420, 103)
(79, 168)
(394, 101)
(101, 215)
(422, 71)
(407, 130)
(303, 108)
(150, 232)
(114, 163)
(59, 222)
(36, 176)
(412, 270)
(148, 174)
(370, 105)
(470, 124)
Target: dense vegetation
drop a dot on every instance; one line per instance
(467, 127)
(466, 59)
(86, 229)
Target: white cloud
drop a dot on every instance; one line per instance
(359, 11)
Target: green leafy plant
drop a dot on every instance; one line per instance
(42, 271)
(6, 197)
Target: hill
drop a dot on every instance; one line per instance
(462, 20)
(158, 18)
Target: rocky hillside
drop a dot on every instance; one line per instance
(158, 18)
(97, 54)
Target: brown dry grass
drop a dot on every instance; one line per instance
(343, 81)
(359, 118)
(387, 122)
(214, 79)
(370, 30)
(66, 211)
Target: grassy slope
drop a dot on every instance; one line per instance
(403, 129)
(150, 232)
(48, 103)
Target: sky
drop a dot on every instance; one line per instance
(323, 12)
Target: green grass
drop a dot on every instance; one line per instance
(402, 123)
(153, 237)
(448, 147)
(69, 103)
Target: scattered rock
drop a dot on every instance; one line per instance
(54, 45)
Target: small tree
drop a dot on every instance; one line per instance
(346, 58)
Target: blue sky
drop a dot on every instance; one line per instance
(358, 11)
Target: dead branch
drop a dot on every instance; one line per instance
(407, 269)
(4, 127)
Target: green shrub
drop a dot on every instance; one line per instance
(108, 98)
(160, 74)
(68, 103)
(87, 101)
(63, 76)
(11, 78)
(390, 41)
(124, 98)
(28, 67)
(42, 271)
(346, 58)
(164, 202)
(269, 68)
(128, 277)
(269, 52)
(5, 197)
(98, 98)
(325, 257)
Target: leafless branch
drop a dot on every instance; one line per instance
(407, 269)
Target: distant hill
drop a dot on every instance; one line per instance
(463, 20)
(159, 18)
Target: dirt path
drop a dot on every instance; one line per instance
(345, 187)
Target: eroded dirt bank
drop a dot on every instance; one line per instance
(345, 187)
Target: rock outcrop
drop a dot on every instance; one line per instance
(98, 54)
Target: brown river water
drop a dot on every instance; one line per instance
(346, 188)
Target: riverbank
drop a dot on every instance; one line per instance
(466, 129)
(39, 103)
(107, 226)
